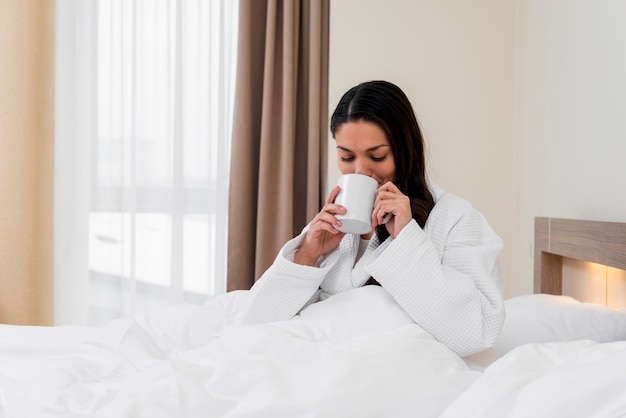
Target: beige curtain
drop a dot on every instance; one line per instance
(280, 130)
(26, 161)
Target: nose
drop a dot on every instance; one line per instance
(361, 167)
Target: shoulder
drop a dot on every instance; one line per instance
(448, 207)
(455, 215)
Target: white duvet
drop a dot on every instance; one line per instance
(356, 354)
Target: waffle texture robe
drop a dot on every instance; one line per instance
(444, 276)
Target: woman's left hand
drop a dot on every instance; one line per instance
(390, 200)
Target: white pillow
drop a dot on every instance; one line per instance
(544, 318)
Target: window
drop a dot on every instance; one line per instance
(152, 93)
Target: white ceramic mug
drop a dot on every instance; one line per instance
(357, 195)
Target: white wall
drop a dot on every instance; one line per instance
(571, 116)
(455, 61)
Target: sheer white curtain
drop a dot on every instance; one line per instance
(143, 107)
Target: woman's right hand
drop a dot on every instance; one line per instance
(322, 237)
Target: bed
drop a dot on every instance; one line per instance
(354, 355)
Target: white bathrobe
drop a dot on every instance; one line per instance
(444, 276)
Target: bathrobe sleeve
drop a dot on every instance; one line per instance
(286, 287)
(447, 279)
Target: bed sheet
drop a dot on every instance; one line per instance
(355, 354)
(561, 379)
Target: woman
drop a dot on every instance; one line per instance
(436, 256)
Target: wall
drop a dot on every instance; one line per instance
(455, 60)
(26, 160)
(571, 107)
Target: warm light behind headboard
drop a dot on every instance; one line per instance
(616, 288)
(595, 283)
(603, 243)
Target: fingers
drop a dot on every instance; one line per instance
(325, 222)
(322, 237)
(328, 212)
(384, 212)
(387, 192)
(391, 207)
(325, 219)
(333, 194)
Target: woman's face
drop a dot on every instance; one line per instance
(363, 148)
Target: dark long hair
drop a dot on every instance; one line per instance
(386, 105)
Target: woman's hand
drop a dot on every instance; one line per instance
(390, 200)
(322, 237)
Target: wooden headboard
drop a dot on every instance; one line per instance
(593, 241)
